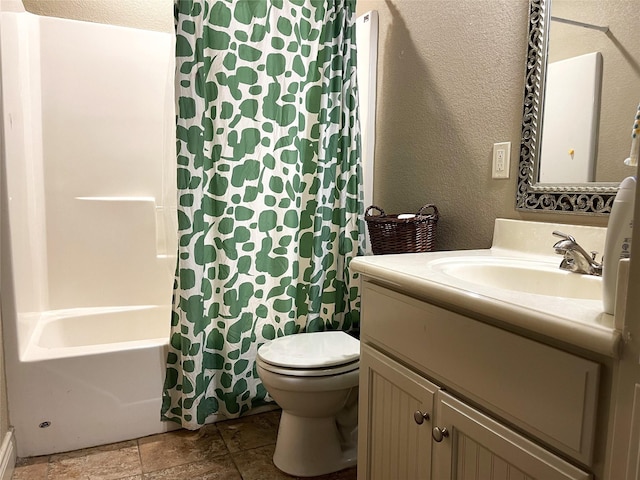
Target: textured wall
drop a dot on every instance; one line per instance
(146, 14)
(450, 84)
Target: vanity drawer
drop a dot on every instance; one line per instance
(544, 391)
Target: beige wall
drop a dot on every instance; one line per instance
(450, 84)
(146, 14)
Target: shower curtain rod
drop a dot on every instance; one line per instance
(604, 29)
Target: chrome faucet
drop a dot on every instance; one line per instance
(576, 259)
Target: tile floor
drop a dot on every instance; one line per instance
(239, 449)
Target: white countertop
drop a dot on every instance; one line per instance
(573, 321)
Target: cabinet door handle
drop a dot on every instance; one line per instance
(420, 417)
(440, 433)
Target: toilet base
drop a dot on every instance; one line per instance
(308, 447)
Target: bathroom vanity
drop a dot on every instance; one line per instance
(489, 364)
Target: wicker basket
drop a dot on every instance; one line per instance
(390, 234)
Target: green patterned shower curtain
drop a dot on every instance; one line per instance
(268, 191)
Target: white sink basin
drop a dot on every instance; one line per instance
(517, 275)
(517, 282)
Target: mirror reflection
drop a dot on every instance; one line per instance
(591, 91)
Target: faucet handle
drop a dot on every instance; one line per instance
(556, 233)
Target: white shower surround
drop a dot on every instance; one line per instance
(89, 230)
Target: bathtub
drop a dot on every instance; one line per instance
(87, 258)
(94, 375)
(91, 331)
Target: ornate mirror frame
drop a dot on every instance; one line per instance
(585, 198)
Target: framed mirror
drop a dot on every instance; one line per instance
(572, 37)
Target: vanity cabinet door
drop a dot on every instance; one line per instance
(549, 393)
(395, 420)
(475, 446)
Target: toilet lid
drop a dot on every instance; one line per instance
(311, 350)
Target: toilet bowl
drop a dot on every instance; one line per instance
(313, 377)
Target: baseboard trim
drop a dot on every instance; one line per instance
(7, 456)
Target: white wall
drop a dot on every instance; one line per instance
(90, 161)
(22, 119)
(107, 115)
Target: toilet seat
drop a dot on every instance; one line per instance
(311, 354)
(311, 372)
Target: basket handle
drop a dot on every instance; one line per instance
(421, 213)
(374, 207)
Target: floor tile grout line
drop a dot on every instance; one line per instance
(233, 460)
(235, 456)
(140, 458)
(241, 452)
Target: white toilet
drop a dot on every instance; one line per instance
(314, 379)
